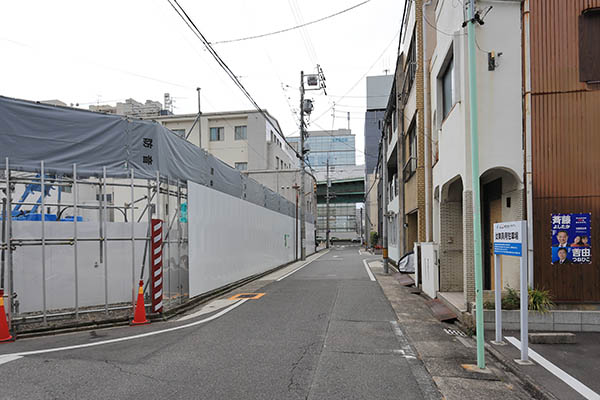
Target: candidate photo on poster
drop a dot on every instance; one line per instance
(571, 238)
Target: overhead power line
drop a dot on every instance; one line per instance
(293, 27)
(190, 23)
(362, 77)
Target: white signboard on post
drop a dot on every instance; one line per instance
(510, 239)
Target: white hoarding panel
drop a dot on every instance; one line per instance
(231, 239)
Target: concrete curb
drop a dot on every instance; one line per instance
(527, 382)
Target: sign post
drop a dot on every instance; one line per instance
(510, 239)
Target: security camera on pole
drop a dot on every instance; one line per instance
(314, 82)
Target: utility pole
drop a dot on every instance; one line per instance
(384, 205)
(361, 227)
(302, 172)
(199, 120)
(475, 182)
(327, 208)
(306, 106)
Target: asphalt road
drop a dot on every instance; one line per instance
(325, 332)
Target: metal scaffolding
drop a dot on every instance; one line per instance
(160, 194)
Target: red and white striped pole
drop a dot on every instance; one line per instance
(157, 266)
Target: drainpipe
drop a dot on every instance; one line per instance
(427, 128)
(527, 179)
(384, 213)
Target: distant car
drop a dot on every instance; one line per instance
(320, 239)
(356, 240)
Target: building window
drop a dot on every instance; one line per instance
(276, 162)
(240, 133)
(447, 81)
(589, 50)
(410, 70)
(179, 132)
(242, 166)
(411, 163)
(217, 134)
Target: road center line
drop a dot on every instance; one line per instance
(371, 276)
(300, 267)
(559, 373)
(4, 358)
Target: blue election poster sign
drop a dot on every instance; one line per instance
(571, 238)
(508, 238)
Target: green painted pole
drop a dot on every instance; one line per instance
(475, 183)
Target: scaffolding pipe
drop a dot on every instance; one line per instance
(104, 242)
(43, 190)
(9, 260)
(179, 238)
(168, 246)
(75, 238)
(132, 223)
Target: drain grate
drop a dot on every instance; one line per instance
(454, 332)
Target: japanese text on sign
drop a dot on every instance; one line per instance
(508, 238)
(571, 238)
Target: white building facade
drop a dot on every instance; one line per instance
(428, 158)
(245, 140)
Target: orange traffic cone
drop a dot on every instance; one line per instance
(4, 333)
(139, 317)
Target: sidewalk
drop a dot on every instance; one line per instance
(444, 349)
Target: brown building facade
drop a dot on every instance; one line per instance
(565, 136)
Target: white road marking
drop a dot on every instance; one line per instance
(14, 356)
(8, 358)
(406, 351)
(210, 307)
(371, 276)
(300, 267)
(559, 373)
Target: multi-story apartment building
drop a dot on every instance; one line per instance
(431, 152)
(536, 150)
(246, 140)
(131, 108)
(378, 91)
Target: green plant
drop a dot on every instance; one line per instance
(488, 305)
(374, 238)
(540, 300)
(512, 300)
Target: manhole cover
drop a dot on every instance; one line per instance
(251, 296)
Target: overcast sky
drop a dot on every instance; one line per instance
(88, 52)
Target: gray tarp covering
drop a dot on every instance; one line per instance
(61, 136)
